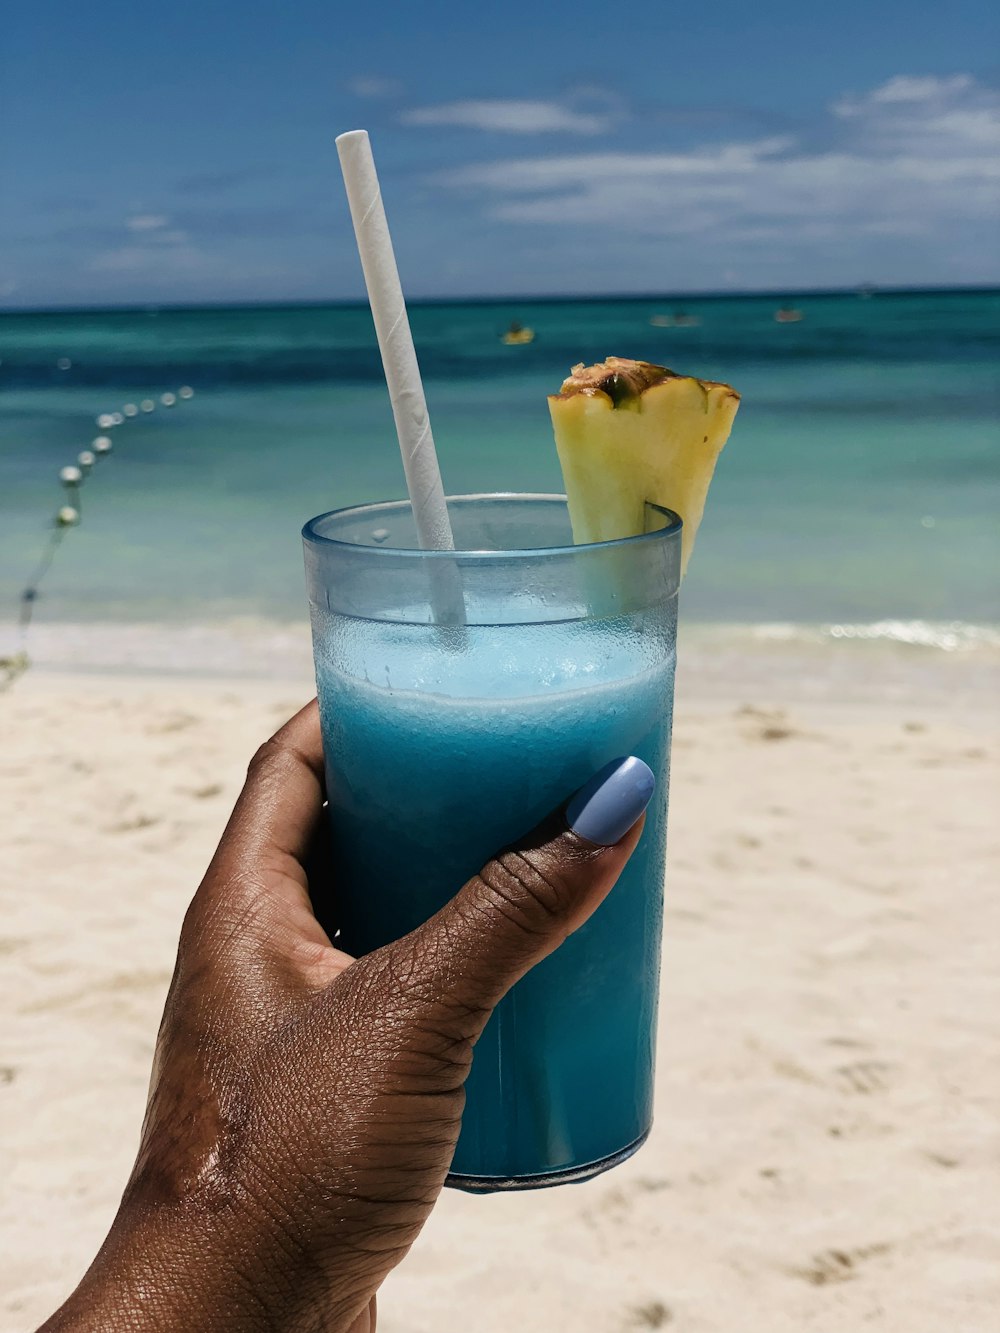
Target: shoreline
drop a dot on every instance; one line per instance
(906, 663)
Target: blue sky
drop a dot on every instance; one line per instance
(184, 152)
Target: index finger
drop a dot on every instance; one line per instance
(255, 893)
(280, 806)
(271, 827)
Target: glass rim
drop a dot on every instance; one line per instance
(309, 533)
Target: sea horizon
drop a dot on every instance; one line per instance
(547, 298)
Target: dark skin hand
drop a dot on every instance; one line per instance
(304, 1106)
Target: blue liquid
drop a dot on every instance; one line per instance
(443, 746)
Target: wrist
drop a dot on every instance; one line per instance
(159, 1269)
(165, 1268)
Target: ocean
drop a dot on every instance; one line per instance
(858, 495)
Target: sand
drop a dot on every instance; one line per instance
(825, 1154)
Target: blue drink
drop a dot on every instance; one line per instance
(445, 742)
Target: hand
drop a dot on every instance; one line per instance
(304, 1106)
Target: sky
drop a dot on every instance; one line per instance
(184, 152)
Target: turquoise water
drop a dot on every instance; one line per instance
(862, 480)
(435, 759)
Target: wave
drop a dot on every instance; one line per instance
(250, 645)
(953, 636)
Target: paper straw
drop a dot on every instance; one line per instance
(399, 357)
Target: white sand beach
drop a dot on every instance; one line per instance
(825, 1149)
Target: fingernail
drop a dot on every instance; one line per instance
(606, 808)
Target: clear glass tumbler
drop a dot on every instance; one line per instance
(445, 741)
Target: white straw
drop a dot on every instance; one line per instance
(399, 357)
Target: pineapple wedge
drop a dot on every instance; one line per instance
(628, 432)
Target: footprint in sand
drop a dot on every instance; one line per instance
(748, 840)
(943, 1159)
(848, 1043)
(204, 793)
(791, 1069)
(829, 1266)
(651, 1185)
(132, 825)
(863, 1076)
(751, 710)
(175, 722)
(654, 1314)
(772, 724)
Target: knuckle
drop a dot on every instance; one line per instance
(266, 758)
(530, 894)
(228, 918)
(278, 754)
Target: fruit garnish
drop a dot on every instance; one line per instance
(629, 432)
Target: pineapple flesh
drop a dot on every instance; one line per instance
(628, 432)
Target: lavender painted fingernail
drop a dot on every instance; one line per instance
(605, 808)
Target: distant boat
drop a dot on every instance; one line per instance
(517, 334)
(866, 291)
(787, 314)
(680, 320)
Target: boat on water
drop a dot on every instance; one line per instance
(787, 314)
(517, 334)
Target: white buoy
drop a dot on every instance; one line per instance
(67, 517)
(168, 399)
(86, 459)
(185, 391)
(105, 421)
(147, 404)
(102, 445)
(70, 476)
(116, 418)
(130, 410)
(64, 363)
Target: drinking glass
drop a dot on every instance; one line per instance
(463, 695)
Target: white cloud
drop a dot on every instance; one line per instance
(914, 156)
(930, 117)
(511, 117)
(532, 174)
(146, 222)
(152, 245)
(906, 88)
(374, 87)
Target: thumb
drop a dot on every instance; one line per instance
(531, 896)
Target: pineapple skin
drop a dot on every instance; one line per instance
(660, 444)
